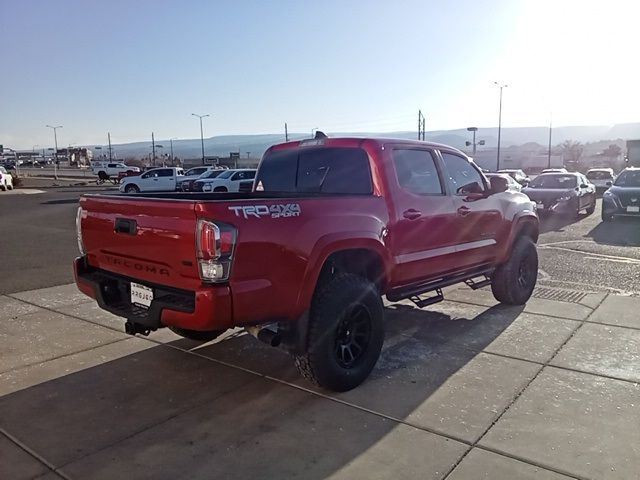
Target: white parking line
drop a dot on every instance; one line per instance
(22, 191)
(595, 256)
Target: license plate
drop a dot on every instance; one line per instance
(141, 295)
(633, 209)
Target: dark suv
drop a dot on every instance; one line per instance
(623, 198)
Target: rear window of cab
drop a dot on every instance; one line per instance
(336, 170)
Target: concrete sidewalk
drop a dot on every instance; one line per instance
(467, 389)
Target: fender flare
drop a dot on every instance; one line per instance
(332, 243)
(521, 220)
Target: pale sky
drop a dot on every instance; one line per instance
(132, 67)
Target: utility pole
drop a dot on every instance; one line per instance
(171, 146)
(248, 154)
(109, 137)
(421, 126)
(286, 132)
(201, 133)
(550, 130)
(55, 156)
(153, 149)
(161, 155)
(499, 123)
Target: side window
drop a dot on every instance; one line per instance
(461, 172)
(239, 176)
(416, 172)
(149, 175)
(250, 175)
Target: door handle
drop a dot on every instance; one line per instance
(463, 211)
(411, 214)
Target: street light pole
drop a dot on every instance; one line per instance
(550, 130)
(201, 133)
(499, 123)
(55, 153)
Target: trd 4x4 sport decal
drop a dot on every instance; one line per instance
(274, 211)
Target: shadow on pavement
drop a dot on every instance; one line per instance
(550, 222)
(621, 232)
(63, 201)
(165, 413)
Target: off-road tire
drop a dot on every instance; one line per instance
(10, 187)
(131, 189)
(513, 281)
(591, 209)
(196, 334)
(342, 309)
(606, 218)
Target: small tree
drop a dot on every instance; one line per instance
(572, 151)
(612, 152)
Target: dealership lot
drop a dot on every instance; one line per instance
(464, 389)
(582, 254)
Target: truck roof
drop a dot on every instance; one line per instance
(357, 141)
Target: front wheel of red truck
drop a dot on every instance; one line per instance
(513, 281)
(345, 335)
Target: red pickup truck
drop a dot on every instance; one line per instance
(302, 261)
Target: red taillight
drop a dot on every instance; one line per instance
(227, 241)
(215, 243)
(207, 239)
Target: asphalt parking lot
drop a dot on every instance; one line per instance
(581, 254)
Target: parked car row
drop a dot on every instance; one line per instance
(197, 179)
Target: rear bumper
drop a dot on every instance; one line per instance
(207, 308)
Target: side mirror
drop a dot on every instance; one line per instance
(498, 185)
(608, 184)
(584, 185)
(472, 188)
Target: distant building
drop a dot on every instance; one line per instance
(526, 159)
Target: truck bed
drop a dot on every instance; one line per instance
(279, 245)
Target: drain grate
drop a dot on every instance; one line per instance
(561, 295)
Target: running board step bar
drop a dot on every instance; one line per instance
(423, 302)
(475, 285)
(414, 291)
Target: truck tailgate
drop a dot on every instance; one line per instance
(146, 239)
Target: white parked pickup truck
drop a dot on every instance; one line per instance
(165, 179)
(112, 169)
(229, 181)
(6, 180)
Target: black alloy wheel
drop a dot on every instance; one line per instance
(352, 336)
